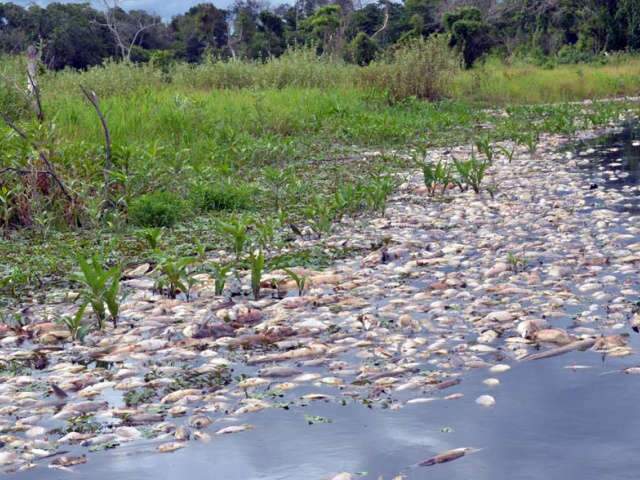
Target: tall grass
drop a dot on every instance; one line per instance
(495, 83)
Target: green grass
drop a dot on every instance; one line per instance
(497, 84)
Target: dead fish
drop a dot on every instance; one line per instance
(279, 372)
(58, 392)
(170, 447)
(448, 456)
(143, 419)
(448, 383)
(554, 352)
(69, 461)
(234, 429)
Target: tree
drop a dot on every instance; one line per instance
(469, 33)
(323, 27)
(126, 29)
(203, 27)
(363, 49)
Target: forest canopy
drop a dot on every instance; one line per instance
(80, 36)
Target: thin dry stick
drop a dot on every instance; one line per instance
(108, 163)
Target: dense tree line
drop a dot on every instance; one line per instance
(78, 36)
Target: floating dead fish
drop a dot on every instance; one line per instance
(486, 401)
(448, 456)
(69, 461)
(554, 352)
(171, 447)
(234, 429)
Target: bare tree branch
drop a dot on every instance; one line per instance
(125, 45)
(108, 163)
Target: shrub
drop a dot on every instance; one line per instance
(156, 209)
(363, 49)
(421, 68)
(222, 195)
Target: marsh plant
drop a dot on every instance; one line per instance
(77, 328)
(436, 174)
(101, 287)
(471, 172)
(530, 139)
(175, 277)
(236, 233)
(151, 236)
(377, 192)
(483, 144)
(516, 263)
(299, 279)
(508, 153)
(220, 274)
(320, 215)
(256, 261)
(265, 231)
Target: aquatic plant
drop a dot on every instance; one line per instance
(236, 232)
(436, 174)
(75, 325)
(377, 192)
(516, 263)
(320, 215)
(509, 153)
(151, 236)
(101, 286)
(471, 172)
(483, 145)
(175, 277)
(220, 273)
(299, 279)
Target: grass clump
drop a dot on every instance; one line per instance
(156, 209)
(223, 195)
(421, 68)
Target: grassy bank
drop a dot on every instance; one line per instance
(281, 141)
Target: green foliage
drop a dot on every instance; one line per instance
(469, 33)
(157, 209)
(74, 324)
(300, 280)
(151, 236)
(436, 174)
(175, 276)
(320, 215)
(471, 172)
(223, 195)
(421, 68)
(101, 286)
(484, 146)
(220, 273)
(236, 233)
(363, 49)
(377, 192)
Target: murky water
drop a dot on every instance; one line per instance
(549, 422)
(613, 161)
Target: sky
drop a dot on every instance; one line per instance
(165, 8)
